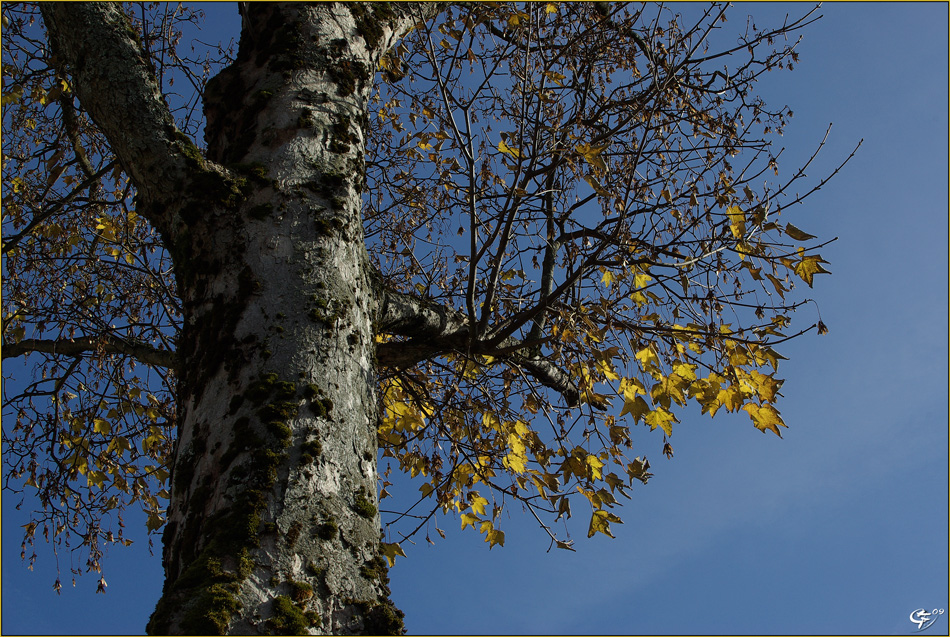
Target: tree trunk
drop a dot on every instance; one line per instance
(273, 524)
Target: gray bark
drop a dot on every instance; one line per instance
(273, 524)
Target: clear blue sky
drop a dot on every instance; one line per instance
(841, 527)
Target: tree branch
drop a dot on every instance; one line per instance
(116, 85)
(434, 329)
(141, 352)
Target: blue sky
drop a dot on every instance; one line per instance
(840, 527)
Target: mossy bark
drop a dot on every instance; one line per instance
(273, 525)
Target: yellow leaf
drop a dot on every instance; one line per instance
(600, 190)
(594, 398)
(765, 385)
(809, 266)
(469, 519)
(508, 150)
(591, 155)
(731, 398)
(556, 77)
(639, 299)
(514, 462)
(765, 417)
(600, 523)
(629, 389)
(101, 426)
(550, 8)
(96, 478)
(595, 466)
(494, 537)
(426, 490)
(608, 278)
(516, 19)
(14, 95)
(647, 358)
(608, 370)
(635, 406)
(736, 221)
(391, 551)
(777, 284)
(521, 428)
(154, 522)
(798, 235)
(685, 371)
(661, 418)
(478, 505)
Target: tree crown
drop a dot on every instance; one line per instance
(574, 216)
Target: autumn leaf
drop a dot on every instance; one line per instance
(778, 285)
(390, 551)
(736, 221)
(765, 417)
(641, 279)
(516, 460)
(798, 235)
(563, 508)
(591, 155)
(809, 266)
(639, 470)
(635, 406)
(494, 536)
(661, 418)
(731, 398)
(600, 523)
(595, 466)
(599, 189)
(555, 77)
(95, 478)
(508, 150)
(101, 426)
(478, 504)
(154, 522)
(765, 386)
(516, 18)
(608, 370)
(648, 358)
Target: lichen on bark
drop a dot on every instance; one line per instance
(273, 523)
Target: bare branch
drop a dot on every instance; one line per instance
(89, 344)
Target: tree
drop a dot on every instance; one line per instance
(534, 209)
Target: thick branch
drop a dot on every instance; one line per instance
(115, 84)
(434, 329)
(141, 352)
